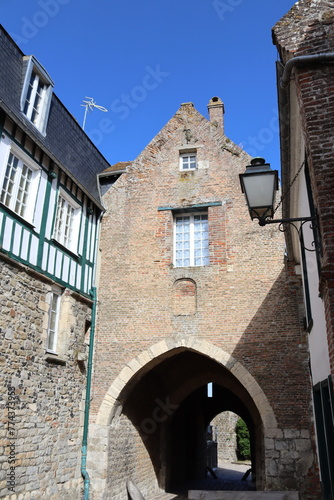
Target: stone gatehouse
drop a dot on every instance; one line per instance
(193, 293)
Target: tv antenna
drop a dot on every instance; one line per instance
(90, 105)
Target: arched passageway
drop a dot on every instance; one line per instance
(189, 456)
(166, 410)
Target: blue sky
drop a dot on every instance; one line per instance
(142, 59)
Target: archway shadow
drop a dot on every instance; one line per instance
(171, 411)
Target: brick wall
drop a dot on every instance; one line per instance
(312, 23)
(124, 436)
(307, 30)
(246, 302)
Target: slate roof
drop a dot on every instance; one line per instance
(119, 167)
(65, 141)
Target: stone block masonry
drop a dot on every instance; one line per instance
(40, 401)
(224, 426)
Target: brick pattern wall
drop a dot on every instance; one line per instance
(247, 300)
(184, 300)
(307, 30)
(313, 22)
(40, 402)
(123, 436)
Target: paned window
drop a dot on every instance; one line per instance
(67, 222)
(34, 99)
(36, 93)
(191, 240)
(54, 309)
(188, 161)
(19, 186)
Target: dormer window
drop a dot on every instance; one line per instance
(36, 94)
(34, 99)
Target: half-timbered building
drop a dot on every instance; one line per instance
(50, 211)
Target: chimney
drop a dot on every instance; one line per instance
(216, 112)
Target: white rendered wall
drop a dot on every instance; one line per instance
(319, 357)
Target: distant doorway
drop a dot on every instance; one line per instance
(229, 452)
(224, 430)
(232, 436)
(202, 443)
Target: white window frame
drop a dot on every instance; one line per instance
(60, 233)
(186, 162)
(35, 96)
(53, 322)
(7, 149)
(205, 260)
(35, 75)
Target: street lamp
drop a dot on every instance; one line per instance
(259, 184)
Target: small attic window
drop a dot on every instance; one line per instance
(36, 93)
(188, 161)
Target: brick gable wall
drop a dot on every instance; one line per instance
(246, 302)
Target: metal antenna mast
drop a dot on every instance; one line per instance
(90, 105)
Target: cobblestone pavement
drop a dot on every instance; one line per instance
(229, 478)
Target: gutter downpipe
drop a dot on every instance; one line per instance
(321, 58)
(93, 293)
(283, 80)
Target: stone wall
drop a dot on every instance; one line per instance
(41, 394)
(224, 425)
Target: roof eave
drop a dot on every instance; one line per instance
(34, 138)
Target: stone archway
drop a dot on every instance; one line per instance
(112, 407)
(110, 403)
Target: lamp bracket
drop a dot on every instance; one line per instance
(284, 223)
